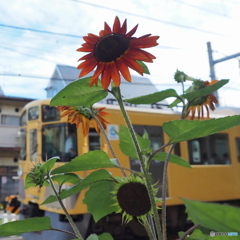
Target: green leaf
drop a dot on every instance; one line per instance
(88, 161)
(144, 66)
(93, 237)
(199, 93)
(183, 130)
(24, 226)
(204, 234)
(205, 91)
(79, 93)
(126, 143)
(96, 176)
(197, 234)
(161, 156)
(66, 177)
(103, 236)
(28, 181)
(153, 98)
(174, 103)
(48, 165)
(217, 217)
(99, 199)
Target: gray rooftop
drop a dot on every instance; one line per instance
(63, 75)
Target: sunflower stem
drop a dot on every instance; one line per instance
(149, 230)
(73, 225)
(109, 144)
(164, 194)
(151, 226)
(117, 94)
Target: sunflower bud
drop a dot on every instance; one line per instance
(37, 175)
(180, 76)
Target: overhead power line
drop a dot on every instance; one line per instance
(123, 82)
(69, 80)
(116, 10)
(40, 31)
(201, 8)
(152, 19)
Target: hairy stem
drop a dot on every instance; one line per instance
(189, 231)
(164, 194)
(149, 231)
(63, 231)
(73, 225)
(109, 144)
(116, 92)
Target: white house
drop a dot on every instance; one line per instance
(10, 108)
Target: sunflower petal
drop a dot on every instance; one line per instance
(116, 25)
(124, 70)
(134, 65)
(106, 76)
(123, 29)
(129, 34)
(115, 74)
(97, 72)
(107, 29)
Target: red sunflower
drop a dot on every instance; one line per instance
(198, 104)
(77, 115)
(113, 52)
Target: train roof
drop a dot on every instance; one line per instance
(219, 111)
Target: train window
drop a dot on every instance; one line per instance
(94, 140)
(33, 113)
(50, 113)
(177, 149)
(22, 143)
(238, 148)
(155, 134)
(23, 119)
(33, 145)
(59, 140)
(213, 149)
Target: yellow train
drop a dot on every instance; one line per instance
(214, 175)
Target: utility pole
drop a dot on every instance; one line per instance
(213, 62)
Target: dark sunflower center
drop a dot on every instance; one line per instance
(110, 47)
(133, 199)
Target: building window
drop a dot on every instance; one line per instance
(9, 120)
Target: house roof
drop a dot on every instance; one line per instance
(17, 101)
(138, 87)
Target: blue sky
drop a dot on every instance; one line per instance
(184, 27)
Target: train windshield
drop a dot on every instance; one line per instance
(59, 140)
(50, 113)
